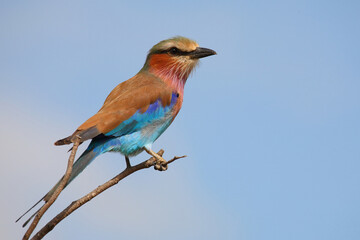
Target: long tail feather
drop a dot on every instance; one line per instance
(30, 209)
(31, 217)
(81, 163)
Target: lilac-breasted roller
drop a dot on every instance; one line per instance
(139, 110)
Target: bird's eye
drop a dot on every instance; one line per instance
(174, 50)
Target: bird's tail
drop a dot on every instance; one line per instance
(80, 164)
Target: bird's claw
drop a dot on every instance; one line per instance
(161, 165)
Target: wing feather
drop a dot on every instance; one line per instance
(130, 101)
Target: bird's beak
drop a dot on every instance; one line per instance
(200, 52)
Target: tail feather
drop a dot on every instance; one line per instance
(31, 217)
(30, 209)
(81, 163)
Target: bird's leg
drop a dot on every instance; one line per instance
(161, 163)
(128, 165)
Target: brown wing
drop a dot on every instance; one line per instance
(124, 100)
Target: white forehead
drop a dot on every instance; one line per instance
(181, 43)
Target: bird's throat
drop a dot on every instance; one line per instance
(173, 72)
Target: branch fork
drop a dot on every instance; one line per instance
(156, 160)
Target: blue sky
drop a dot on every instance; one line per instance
(270, 125)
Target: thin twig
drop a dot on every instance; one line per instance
(175, 158)
(81, 201)
(56, 193)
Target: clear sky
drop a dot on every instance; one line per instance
(270, 125)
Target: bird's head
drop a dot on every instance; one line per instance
(174, 59)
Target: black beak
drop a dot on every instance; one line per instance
(201, 52)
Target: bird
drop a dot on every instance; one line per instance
(140, 109)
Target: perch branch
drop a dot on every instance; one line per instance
(81, 201)
(56, 193)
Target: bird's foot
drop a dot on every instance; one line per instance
(160, 163)
(128, 165)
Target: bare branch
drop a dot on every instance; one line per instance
(81, 201)
(56, 193)
(175, 158)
